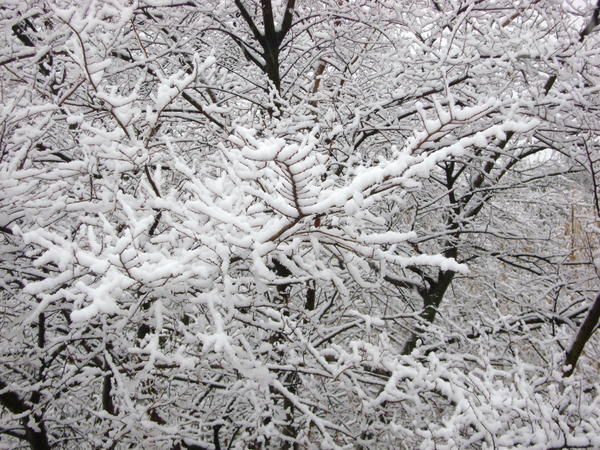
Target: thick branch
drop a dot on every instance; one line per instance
(583, 335)
(248, 19)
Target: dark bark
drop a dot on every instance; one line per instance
(11, 401)
(432, 298)
(216, 441)
(583, 335)
(107, 401)
(290, 380)
(272, 38)
(310, 299)
(38, 437)
(38, 440)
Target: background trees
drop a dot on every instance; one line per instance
(297, 224)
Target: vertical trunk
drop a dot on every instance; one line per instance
(32, 422)
(37, 435)
(107, 401)
(272, 38)
(271, 45)
(432, 298)
(289, 380)
(38, 440)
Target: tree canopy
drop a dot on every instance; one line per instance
(299, 224)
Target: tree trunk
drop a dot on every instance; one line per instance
(583, 335)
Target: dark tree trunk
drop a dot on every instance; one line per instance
(432, 298)
(583, 335)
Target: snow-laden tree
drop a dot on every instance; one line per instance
(299, 224)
